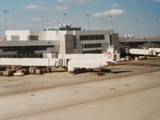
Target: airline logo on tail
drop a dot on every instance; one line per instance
(109, 55)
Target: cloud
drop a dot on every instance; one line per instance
(73, 1)
(36, 19)
(116, 12)
(113, 12)
(31, 7)
(156, 0)
(25, 25)
(43, 2)
(61, 8)
(115, 5)
(42, 8)
(36, 7)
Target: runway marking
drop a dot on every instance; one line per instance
(112, 88)
(17, 85)
(128, 85)
(32, 95)
(71, 105)
(47, 85)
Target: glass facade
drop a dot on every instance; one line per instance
(92, 51)
(92, 45)
(33, 37)
(91, 37)
(23, 51)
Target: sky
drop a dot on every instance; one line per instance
(137, 17)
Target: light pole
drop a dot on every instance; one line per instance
(127, 26)
(137, 26)
(5, 11)
(88, 21)
(63, 19)
(158, 26)
(111, 21)
(102, 23)
(65, 14)
(14, 22)
(42, 23)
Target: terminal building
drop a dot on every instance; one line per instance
(125, 43)
(64, 40)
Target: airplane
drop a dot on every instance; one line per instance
(81, 65)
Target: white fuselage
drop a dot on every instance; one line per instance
(87, 64)
(92, 61)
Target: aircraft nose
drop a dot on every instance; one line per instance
(103, 63)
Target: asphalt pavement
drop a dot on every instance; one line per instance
(130, 91)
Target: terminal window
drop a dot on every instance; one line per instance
(32, 37)
(92, 45)
(25, 51)
(15, 38)
(91, 37)
(92, 51)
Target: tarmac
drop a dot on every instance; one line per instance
(128, 91)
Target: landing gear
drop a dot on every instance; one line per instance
(100, 73)
(79, 70)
